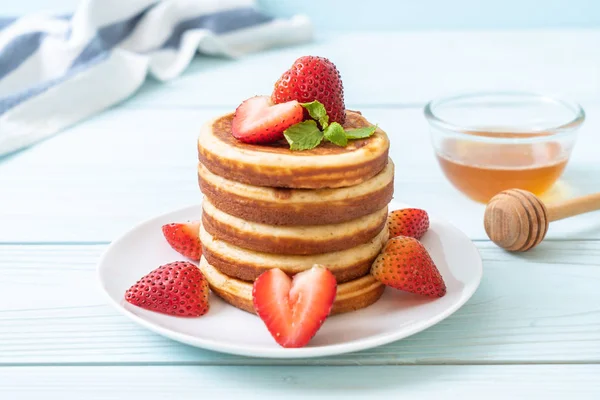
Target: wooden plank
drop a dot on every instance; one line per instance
(400, 15)
(430, 382)
(539, 307)
(391, 68)
(96, 180)
(405, 15)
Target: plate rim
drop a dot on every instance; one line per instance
(280, 352)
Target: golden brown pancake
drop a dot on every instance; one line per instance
(351, 296)
(247, 265)
(275, 165)
(279, 206)
(292, 240)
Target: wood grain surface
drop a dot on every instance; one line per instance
(532, 329)
(266, 382)
(542, 306)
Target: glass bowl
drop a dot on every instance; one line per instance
(489, 142)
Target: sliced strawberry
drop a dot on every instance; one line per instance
(412, 222)
(313, 78)
(259, 121)
(184, 238)
(294, 309)
(405, 264)
(177, 288)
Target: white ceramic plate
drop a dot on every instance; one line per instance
(229, 330)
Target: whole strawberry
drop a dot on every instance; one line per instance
(313, 78)
(177, 288)
(412, 222)
(184, 238)
(405, 264)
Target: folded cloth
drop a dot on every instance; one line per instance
(57, 71)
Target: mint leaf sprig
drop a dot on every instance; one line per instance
(317, 111)
(336, 134)
(303, 135)
(306, 135)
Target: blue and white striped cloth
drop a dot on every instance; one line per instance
(57, 71)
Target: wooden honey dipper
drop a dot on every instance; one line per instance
(517, 220)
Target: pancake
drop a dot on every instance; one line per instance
(350, 296)
(292, 240)
(247, 265)
(279, 206)
(275, 165)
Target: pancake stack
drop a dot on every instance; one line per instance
(266, 206)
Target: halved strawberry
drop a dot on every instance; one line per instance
(184, 238)
(313, 78)
(259, 121)
(294, 309)
(177, 288)
(405, 264)
(412, 222)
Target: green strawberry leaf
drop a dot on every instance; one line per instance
(361, 133)
(304, 135)
(317, 111)
(335, 134)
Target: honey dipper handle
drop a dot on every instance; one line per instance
(573, 207)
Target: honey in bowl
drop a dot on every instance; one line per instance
(480, 170)
(489, 142)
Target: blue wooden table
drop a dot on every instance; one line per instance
(531, 330)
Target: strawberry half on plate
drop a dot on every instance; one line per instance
(184, 238)
(293, 310)
(412, 222)
(259, 121)
(177, 288)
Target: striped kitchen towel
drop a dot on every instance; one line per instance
(57, 71)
